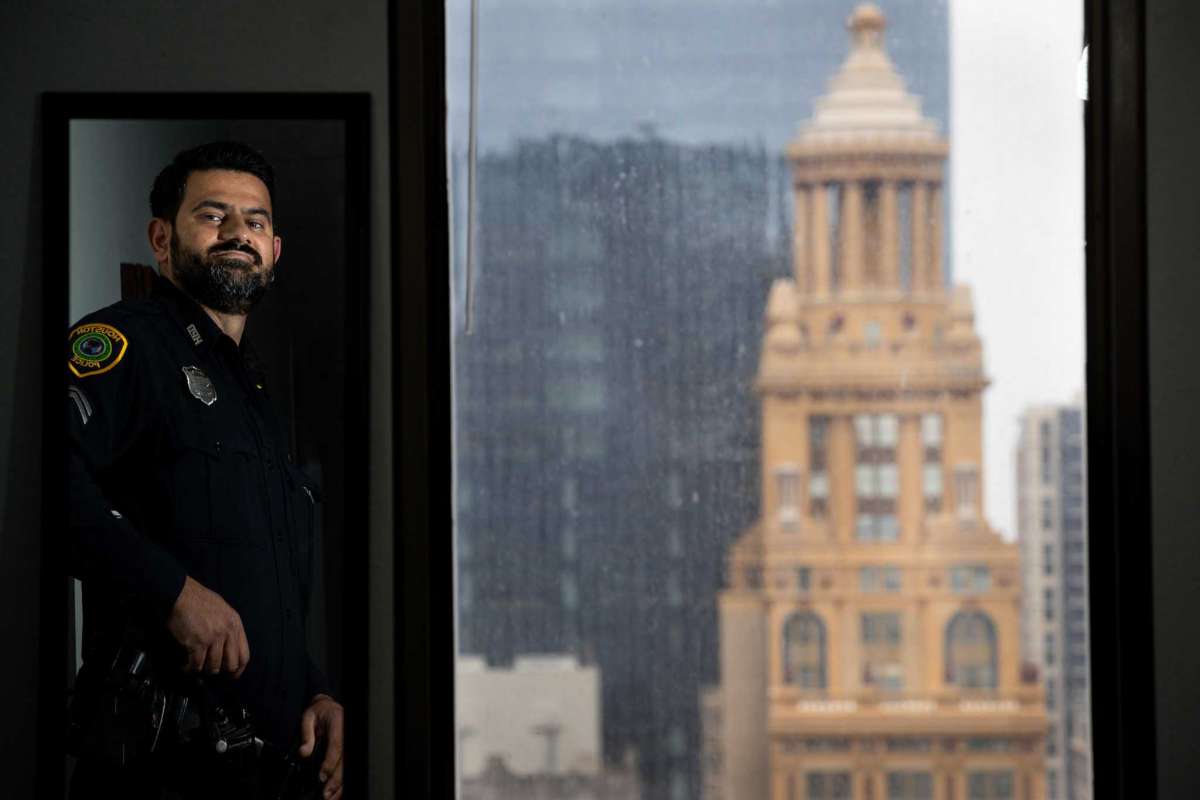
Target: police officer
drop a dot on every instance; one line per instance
(187, 516)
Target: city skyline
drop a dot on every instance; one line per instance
(1007, 96)
(586, 270)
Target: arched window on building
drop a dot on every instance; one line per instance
(971, 651)
(804, 651)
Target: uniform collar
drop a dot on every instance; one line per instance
(195, 322)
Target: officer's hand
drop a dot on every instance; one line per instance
(210, 630)
(323, 720)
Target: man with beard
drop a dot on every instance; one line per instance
(188, 522)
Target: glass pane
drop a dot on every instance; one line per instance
(756, 295)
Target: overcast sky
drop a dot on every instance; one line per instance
(1016, 127)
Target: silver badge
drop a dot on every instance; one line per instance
(200, 386)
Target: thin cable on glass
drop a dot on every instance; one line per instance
(472, 140)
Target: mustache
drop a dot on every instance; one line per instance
(235, 247)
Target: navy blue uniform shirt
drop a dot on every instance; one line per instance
(164, 484)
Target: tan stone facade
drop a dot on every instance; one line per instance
(870, 632)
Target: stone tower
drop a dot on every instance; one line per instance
(870, 632)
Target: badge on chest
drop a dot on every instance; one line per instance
(200, 385)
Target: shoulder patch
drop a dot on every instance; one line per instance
(95, 348)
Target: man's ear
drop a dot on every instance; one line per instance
(159, 234)
(278, 249)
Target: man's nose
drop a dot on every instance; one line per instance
(235, 227)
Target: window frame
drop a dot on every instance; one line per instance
(1123, 702)
(1122, 636)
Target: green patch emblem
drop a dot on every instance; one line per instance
(95, 348)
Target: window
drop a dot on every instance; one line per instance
(827, 745)
(909, 786)
(879, 579)
(904, 196)
(872, 334)
(970, 578)
(991, 785)
(931, 431)
(876, 477)
(570, 494)
(623, 258)
(882, 655)
(570, 592)
(833, 196)
(931, 456)
(804, 651)
(827, 786)
(818, 464)
(971, 651)
(990, 745)
(803, 579)
(788, 477)
(909, 745)
(1047, 443)
(966, 488)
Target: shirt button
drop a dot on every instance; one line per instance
(279, 536)
(289, 613)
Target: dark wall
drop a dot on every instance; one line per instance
(302, 45)
(1173, 162)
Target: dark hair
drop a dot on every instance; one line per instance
(171, 183)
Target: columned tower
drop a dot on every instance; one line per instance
(870, 634)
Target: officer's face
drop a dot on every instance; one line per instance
(222, 248)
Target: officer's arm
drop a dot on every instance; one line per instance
(316, 682)
(106, 413)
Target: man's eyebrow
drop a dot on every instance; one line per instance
(208, 203)
(217, 204)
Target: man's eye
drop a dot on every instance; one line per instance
(258, 226)
(213, 217)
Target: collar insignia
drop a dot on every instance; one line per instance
(195, 334)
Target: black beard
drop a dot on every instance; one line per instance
(228, 285)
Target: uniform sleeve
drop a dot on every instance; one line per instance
(108, 409)
(316, 682)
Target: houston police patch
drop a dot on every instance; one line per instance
(95, 348)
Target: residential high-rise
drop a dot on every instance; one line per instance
(870, 632)
(1052, 530)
